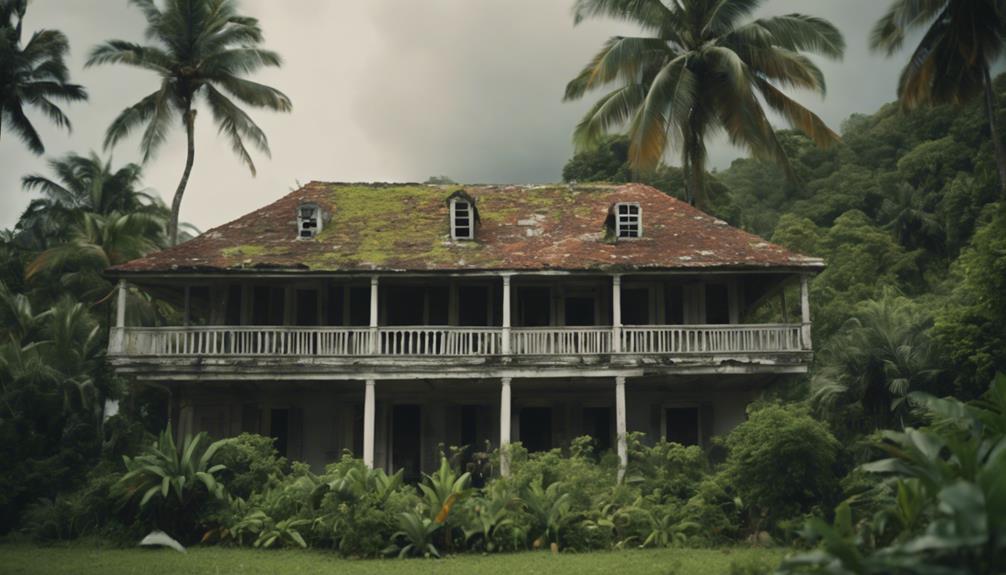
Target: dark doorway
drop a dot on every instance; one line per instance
(683, 425)
(674, 305)
(405, 305)
(597, 424)
(470, 428)
(359, 306)
(717, 304)
(439, 298)
(334, 314)
(536, 428)
(579, 310)
(279, 429)
(535, 306)
(473, 305)
(635, 306)
(268, 305)
(406, 440)
(232, 313)
(307, 307)
(358, 430)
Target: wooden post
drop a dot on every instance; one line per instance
(616, 313)
(368, 423)
(623, 445)
(374, 343)
(505, 344)
(805, 311)
(505, 427)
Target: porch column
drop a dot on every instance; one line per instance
(117, 341)
(505, 344)
(368, 423)
(374, 343)
(505, 426)
(616, 313)
(805, 311)
(623, 445)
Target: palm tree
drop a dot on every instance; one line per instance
(32, 75)
(963, 38)
(700, 70)
(201, 50)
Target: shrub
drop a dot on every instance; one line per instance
(172, 486)
(781, 463)
(251, 464)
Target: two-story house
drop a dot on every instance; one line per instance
(392, 319)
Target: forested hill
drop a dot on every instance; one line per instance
(905, 211)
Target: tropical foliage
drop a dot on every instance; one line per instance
(33, 74)
(201, 52)
(702, 70)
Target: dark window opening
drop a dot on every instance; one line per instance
(579, 310)
(334, 313)
(251, 418)
(535, 306)
(674, 305)
(279, 429)
(682, 425)
(406, 433)
(232, 314)
(307, 307)
(473, 305)
(536, 428)
(308, 224)
(439, 298)
(717, 304)
(268, 305)
(635, 306)
(199, 305)
(359, 306)
(404, 305)
(597, 424)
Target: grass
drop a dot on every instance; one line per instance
(83, 559)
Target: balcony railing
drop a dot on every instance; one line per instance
(432, 341)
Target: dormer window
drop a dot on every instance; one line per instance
(461, 220)
(464, 215)
(308, 221)
(628, 220)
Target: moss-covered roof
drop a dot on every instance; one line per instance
(390, 227)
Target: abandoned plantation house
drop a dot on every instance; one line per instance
(389, 320)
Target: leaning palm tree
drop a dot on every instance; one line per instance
(962, 39)
(32, 75)
(699, 70)
(201, 49)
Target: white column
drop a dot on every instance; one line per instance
(120, 308)
(805, 311)
(117, 337)
(616, 313)
(504, 427)
(623, 445)
(505, 344)
(368, 423)
(374, 343)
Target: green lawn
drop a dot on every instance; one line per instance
(81, 559)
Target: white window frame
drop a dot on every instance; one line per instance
(455, 234)
(314, 231)
(622, 226)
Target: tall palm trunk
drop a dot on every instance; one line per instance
(176, 202)
(997, 143)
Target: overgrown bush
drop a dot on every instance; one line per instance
(781, 463)
(251, 463)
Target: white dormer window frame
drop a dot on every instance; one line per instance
(462, 219)
(308, 221)
(628, 220)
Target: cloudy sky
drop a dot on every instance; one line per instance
(391, 90)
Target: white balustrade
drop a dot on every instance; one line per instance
(667, 339)
(453, 341)
(560, 340)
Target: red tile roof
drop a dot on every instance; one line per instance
(390, 227)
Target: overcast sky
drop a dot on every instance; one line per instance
(391, 90)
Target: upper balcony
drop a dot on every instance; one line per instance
(393, 326)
